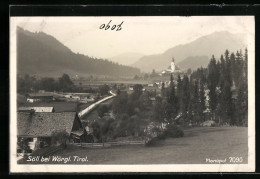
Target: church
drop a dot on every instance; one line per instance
(171, 69)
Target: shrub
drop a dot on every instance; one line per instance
(173, 131)
(153, 142)
(162, 136)
(59, 138)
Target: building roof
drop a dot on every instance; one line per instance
(36, 109)
(43, 124)
(33, 95)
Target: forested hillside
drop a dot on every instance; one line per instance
(43, 55)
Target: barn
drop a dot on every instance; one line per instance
(38, 128)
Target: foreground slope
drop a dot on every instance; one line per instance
(198, 144)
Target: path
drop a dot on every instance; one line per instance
(92, 106)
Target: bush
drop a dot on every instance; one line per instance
(153, 142)
(162, 136)
(173, 132)
(59, 138)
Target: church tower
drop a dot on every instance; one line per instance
(173, 65)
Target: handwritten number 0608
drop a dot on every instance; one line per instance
(112, 27)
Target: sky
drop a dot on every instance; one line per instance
(145, 35)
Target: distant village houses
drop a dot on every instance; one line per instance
(36, 109)
(36, 97)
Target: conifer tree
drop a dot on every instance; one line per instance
(213, 79)
(186, 95)
(163, 90)
(202, 106)
(195, 102)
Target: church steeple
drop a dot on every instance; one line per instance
(173, 65)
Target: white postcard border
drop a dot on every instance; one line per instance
(50, 168)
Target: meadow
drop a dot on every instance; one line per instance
(198, 144)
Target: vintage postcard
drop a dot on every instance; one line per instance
(132, 94)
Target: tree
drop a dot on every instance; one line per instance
(153, 74)
(195, 103)
(172, 98)
(163, 89)
(179, 85)
(23, 144)
(118, 91)
(146, 76)
(186, 96)
(65, 83)
(180, 91)
(242, 105)
(119, 103)
(138, 90)
(104, 89)
(202, 97)
(60, 137)
(171, 81)
(189, 71)
(213, 78)
(171, 107)
(136, 77)
(102, 109)
(158, 110)
(226, 103)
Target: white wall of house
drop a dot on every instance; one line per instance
(32, 100)
(32, 144)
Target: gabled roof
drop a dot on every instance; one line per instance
(43, 124)
(41, 95)
(36, 109)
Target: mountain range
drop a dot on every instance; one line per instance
(42, 55)
(194, 54)
(126, 58)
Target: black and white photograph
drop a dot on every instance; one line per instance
(132, 94)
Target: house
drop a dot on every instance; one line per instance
(90, 98)
(131, 88)
(38, 128)
(34, 97)
(73, 97)
(68, 96)
(36, 109)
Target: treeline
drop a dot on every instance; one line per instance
(218, 92)
(27, 84)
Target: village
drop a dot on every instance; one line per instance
(68, 118)
(41, 114)
(105, 110)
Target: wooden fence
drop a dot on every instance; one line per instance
(109, 144)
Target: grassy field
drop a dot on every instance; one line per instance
(198, 144)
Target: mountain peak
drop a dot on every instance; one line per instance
(43, 55)
(208, 45)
